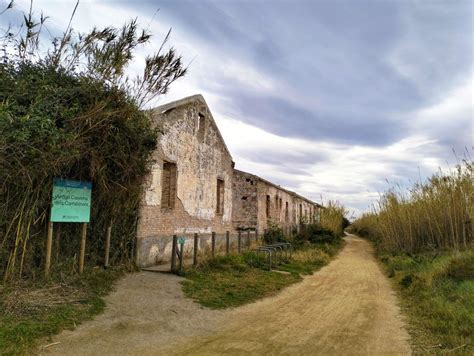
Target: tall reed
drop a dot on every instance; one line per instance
(333, 217)
(437, 214)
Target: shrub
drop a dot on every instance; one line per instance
(315, 233)
(461, 268)
(273, 233)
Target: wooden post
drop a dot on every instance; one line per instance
(195, 251)
(181, 257)
(174, 246)
(213, 244)
(248, 239)
(256, 235)
(49, 243)
(107, 246)
(82, 252)
(239, 241)
(57, 241)
(227, 242)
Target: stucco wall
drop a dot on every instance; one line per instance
(201, 158)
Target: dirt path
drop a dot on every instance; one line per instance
(347, 307)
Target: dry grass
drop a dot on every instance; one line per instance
(25, 299)
(32, 311)
(434, 215)
(332, 217)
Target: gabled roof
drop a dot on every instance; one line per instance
(296, 195)
(162, 109)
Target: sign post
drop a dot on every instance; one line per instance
(49, 243)
(71, 203)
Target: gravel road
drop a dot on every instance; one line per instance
(346, 308)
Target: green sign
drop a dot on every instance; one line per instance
(181, 240)
(71, 201)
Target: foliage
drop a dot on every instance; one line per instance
(72, 112)
(315, 233)
(274, 233)
(436, 292)
(434, 215)
(29, 312)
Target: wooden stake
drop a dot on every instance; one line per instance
(227, 242)
(239, 241)
(107, 246)
(82, 252)
(181, 257)
(213, 244)
(49, 243)
(174, 248)
(195, 250)
(57, 241)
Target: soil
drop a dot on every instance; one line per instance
(347, 308)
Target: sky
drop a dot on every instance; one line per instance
(334, 99)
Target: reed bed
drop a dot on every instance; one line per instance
(333, 218)
(437, 214)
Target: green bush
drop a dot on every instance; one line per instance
(461, 268)
(273, 234)
(71, 112)
(315, 234)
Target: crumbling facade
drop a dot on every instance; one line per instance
(193, 187)
(190, 186)
(257, 203)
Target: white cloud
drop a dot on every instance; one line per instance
(352, 174)
(453, 110)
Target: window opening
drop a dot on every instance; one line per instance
(168, 185)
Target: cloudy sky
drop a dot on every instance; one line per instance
(330, 98)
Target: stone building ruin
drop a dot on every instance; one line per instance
(258, 203)
(194, 188)
(190, 186)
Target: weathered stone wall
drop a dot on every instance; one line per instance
(278, 212)
(244, 205)
(283, 209)
(192, 141)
